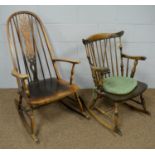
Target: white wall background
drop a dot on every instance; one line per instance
(67, 25)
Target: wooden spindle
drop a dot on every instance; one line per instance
(116, 57)
(21, 46)
(127, 67)
(50, 49)
(98, 54)
(111, 57)
(121, 51)
(43, 48)
(105, 54)
(96, 74)
(134, 68)
(93, 54)
(13, 36)
(35, 47)
(88, 53)
(72, 74)
(101, 50)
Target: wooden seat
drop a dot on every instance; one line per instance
(107, 59)
(50, 89)
(35, 68)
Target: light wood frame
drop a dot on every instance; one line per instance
(28, 39)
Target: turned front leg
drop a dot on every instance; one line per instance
(116, 119)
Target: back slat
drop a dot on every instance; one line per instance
(101, 50)
(15, 47)
(116, 57)
(93, 54)
(121, 48)
(127, 67)
(30, 46)
(105, 53)
(43, 50)
(36, 49)
(99, 62)
(111, 56)
(21, 46)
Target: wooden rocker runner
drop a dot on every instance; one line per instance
(113, 73)
(35, 68)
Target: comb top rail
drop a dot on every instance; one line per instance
(102, 36)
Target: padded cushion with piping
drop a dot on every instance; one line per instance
(119, 85)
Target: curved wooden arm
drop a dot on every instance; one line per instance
(72, 69)
(133, 57)
(20, 76)
(67, 60)
(98, 77)
(23, 78)
(133, 69)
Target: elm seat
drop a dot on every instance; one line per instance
(119, 85)
(49, 89)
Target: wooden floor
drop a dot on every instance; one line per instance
(61, 128)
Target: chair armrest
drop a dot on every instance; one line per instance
(101, 69)
(99, 77)
(73, 62)
(19, 76)
(134, 67)
(133, 57)
(22, 78)
(67, 60)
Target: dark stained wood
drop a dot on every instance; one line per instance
(141, 87)
(50, 90)
(102, 36)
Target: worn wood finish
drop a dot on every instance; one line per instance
(33, 59)
(106, 58)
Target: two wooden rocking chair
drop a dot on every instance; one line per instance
(40, 84)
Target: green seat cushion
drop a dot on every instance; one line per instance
(119, 85)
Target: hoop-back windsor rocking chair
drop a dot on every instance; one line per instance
(106, 59)
(33, 57)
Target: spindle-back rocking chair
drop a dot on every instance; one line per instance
(106, 59)
(35, 68)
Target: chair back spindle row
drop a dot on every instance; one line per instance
(105, 50)
(30, 46)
